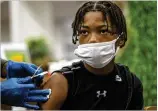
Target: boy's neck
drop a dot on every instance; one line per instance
(101, 71)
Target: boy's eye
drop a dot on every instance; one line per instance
(103, 31)
(84, 32)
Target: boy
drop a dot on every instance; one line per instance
(96, 82)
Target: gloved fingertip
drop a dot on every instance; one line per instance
(45, 98)
(35, 107)
(48, 96)
(50, 91)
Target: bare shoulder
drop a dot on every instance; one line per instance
(59, 86)
(56, 79)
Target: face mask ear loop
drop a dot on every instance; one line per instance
(117, 39)
(117, 50)
(118, 47)
(119, 36)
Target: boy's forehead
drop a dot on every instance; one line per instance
(95, 18)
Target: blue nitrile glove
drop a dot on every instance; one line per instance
(19, 91)
(22, 69)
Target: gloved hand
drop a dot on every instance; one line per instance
(19, 91)
(21, 69)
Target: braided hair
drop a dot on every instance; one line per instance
(106, 7)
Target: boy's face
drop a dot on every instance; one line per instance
(94, 29)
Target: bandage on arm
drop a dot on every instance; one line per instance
(59, 86)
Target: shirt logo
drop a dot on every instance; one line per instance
(118, 78)
(101, 94)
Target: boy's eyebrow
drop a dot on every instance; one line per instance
(100, 26)
(84, 26)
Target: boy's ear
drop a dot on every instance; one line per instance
(121, 42)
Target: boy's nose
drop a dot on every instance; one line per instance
(93, 38)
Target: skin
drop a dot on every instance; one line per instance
(93, 30)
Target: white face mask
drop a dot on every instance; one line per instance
(97, 55)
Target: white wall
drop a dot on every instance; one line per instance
(64, 15)
(31, 19)
(50, 18)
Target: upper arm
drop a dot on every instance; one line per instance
(59, 88)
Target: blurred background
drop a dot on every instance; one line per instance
(40, 32)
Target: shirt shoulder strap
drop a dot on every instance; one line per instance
(70, 74)
(130, 83)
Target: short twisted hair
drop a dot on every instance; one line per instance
(105, 7)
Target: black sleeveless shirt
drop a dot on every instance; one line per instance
(88, 91)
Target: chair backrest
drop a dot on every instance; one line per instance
(150, 108)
